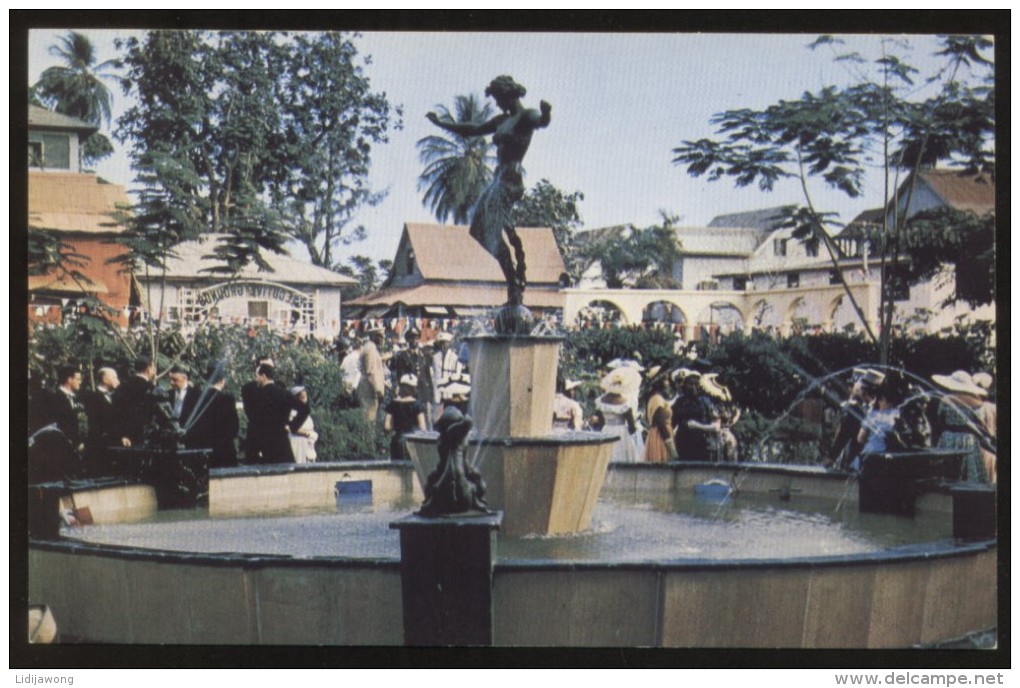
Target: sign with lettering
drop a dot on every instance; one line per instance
(252, 290)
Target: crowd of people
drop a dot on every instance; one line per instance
(884, 413)
(401, 385)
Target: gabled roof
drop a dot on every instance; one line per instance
(449, 253)
(764, 220)
(73, 202)
(41, 118)
(719, 241)
(191, 263)
(959, 190)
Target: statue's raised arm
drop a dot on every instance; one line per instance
(493, 214)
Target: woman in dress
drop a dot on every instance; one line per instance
(659, 447)
(880, 421)
(302, 440)
(493, 214)
(618, 414)
(958, 424)
(404, 414)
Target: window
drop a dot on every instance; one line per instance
(52, 151)
(35, 154)
(834, 277)
(779, 247)
(793, 280)
(740, 283)
(811, 248)
(258, 309)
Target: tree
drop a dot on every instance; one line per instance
(261, 118)
(837, 134)
(457, 168)
(76, 88)
(546, 206)
(645, 259)
(369, 275)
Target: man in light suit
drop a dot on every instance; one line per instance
(183, 395)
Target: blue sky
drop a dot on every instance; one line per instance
(621, 103)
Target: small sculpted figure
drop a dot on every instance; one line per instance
(455, 487)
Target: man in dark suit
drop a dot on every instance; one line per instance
(248, 392)
(133, 403)
(60, 409)
(268, 409)
(214, 423)
(183, 395)
(103, 431)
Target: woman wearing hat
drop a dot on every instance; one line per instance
(723, 446)
(404, 414)
(697, 421)
(617, 413)
(567, 413)
(958, 424)
(302, 440)
(660, 446)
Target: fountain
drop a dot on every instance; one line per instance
(512, 545)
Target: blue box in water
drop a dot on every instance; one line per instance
(353, 492)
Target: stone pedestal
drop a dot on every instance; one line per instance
(513, 383)
(446, 578)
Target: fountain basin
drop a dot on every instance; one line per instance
(916, 594)
(544, 485)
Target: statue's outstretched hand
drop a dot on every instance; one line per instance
(545, 107)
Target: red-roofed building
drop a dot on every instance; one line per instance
(440, 271)
(78, 208)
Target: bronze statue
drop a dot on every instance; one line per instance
(455, 487)
(493, 214)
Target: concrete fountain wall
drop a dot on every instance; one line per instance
(898, 598)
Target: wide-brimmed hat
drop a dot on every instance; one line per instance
(872, 377)
(623, 380)
(710, 386)
(410, 379)
(625, 363)
(960, 381)
(982, 380)
(455, 389)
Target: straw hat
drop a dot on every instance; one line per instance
(625, 363)
(409, 379)
(982, 380)
(454, 390)
(711, 387)
(960, 381)
(623, 380)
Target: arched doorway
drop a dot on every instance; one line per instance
(599, 314)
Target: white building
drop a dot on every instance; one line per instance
(295, 296)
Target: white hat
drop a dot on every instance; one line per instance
(454, 389)
(961, 382)
(623, 380)
(982, 380)
(409, 379)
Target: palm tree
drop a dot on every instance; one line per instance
(76, 88)
(457, 168)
